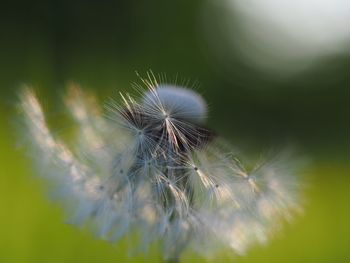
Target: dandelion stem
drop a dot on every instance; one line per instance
(172, 260)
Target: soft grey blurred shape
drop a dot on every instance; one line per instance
(279, 36)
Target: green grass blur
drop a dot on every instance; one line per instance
(101, 45)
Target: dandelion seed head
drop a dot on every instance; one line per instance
(152, 167)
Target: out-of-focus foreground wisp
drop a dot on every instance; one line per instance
(152, 169)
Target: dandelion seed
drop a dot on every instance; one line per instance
(152, 166)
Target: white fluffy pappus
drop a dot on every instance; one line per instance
(151, 167)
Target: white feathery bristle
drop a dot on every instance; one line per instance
(179, 102)
(154, 170)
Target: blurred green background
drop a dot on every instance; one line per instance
(100, 44)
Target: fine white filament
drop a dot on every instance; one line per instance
(151, 168)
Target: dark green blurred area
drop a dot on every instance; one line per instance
(100, 45)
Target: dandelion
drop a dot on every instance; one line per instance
(150, 166)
